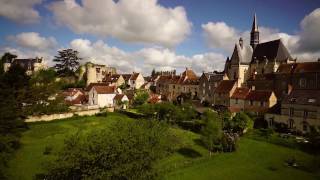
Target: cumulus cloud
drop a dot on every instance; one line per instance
(21, 11)
(34, 41)
(30, 45)
(305, 45)
(142, 21)
(310, 34)
(146, 59)
(220, 35)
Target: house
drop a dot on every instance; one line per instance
(102, 96)
(31, 65)
(95, 73)
(154, 98)
(136, 81)
(260, 101)
(299, 111)
(74, 96)
(114, 79)
(120, 101)
(238, 98)
(223, 92)
(207, 84)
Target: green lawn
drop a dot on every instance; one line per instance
(254, 160)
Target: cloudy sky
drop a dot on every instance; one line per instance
(139, 35)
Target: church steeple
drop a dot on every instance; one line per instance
(254, 38)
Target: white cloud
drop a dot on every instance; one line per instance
(305, 45)
(33, 40)
(142, 21)
(310, 34)
(21, 11)
(220, 35)
(146, 59)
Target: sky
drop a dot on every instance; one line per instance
(139, 35)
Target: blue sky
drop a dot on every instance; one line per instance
(282, 16)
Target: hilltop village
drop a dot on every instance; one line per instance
(260, 78)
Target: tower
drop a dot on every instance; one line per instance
(254, 35)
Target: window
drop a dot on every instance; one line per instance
(261, 103)
(262, 71)
(305, 113)
(98, 70)
(303, 83)
(251, 103)
(237, 101)
(305, 126)
(311, 100)
(291, 112)
(174, 86)
(235, 75)
(291, 123)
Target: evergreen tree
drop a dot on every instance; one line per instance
(67, 62)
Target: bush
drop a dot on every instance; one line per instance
(127, 150)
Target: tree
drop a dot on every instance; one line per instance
(241, 122)
(67, 62)
(127, 150)
(211, 133)
(140, 98)
(7, 57)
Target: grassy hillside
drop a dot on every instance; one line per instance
(254, 160)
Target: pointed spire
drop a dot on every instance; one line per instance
(255, 24)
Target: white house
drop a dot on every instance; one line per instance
(102, 96)
(120, 101)
(136, 80)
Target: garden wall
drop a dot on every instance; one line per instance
(63, 115)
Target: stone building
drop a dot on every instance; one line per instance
(95, 73)
(223, 93)
(299, 111)
(207, 84)
(31, 65)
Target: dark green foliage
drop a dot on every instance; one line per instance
(211, 133)
(238, 124)
(67, 62)
(7, 57)
(314, 138)
(127, 150)
(140, 98)
(169, 112)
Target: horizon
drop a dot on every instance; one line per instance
(197, 37)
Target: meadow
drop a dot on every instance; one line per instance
(253, 160)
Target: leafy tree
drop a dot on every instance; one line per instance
(211, 133)
(127, 150)
(67, 62)
(140, 98)
(241, 122)
(7, 57)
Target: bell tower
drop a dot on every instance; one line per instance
(254, 35)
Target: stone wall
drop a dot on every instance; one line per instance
(52, 117)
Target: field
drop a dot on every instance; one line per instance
(254, 159)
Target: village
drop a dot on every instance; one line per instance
(143, 90)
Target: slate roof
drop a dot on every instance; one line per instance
(259, 95)
(303, 97)
(134, 76)
(240, 93)
(126, 77)
(242, 54)
(272, 50)
(225, 86)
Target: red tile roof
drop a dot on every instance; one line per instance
(225, 86)
(189, 74)
(240, 93)
(118, 97)
(111, 78)
(307, 67)
(105, 89)
(96, 84)
(259, 95)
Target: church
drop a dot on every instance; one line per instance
(248, 61)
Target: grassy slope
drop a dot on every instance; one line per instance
(252, 161)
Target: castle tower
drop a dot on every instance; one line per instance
(254, 35)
